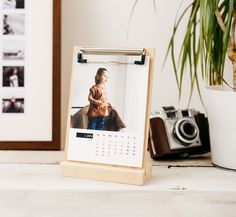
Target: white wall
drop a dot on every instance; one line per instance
(105, 23)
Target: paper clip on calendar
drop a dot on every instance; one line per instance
(111, 51)
(98, 146)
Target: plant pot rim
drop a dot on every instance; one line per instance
(219, 88)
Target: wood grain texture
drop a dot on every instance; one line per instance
(56, 119)
(192, 161)
(31, 157)
(41, 177)
(38, 190)
(55, 157)
(108, 173)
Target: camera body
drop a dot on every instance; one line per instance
(178, 133)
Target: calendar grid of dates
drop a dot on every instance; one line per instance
(114, 148)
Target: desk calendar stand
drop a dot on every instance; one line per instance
(106, 172)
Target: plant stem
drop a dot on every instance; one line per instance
(234, 76)
(220, 20)
(232, 49)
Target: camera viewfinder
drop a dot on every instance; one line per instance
(185, 113)
(170, 114)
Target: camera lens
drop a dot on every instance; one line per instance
(186, 131)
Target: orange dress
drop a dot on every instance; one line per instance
(97, 94)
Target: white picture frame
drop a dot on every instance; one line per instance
(29, 73)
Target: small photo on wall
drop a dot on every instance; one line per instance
(13, 4)
(13, 24)
(13, 76)
(13, 105)
(13, 49)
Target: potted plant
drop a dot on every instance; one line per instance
(208, 40)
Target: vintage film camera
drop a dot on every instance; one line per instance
(178, 133)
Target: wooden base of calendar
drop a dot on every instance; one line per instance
(126, 175)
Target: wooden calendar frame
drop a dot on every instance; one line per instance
(112, 173)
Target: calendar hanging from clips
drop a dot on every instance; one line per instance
(109, 107)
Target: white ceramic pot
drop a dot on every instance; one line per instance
(221, 110)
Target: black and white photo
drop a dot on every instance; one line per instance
(13, 76)
(13, 4)
(13, 105)
(13, 24)
(13, 49)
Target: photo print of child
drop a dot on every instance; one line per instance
(13, 24)
(13, 76)
(108, 107)
(99, 114)
(13, 4)
(98, 108)
(13, 105)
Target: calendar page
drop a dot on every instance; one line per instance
(108, 110)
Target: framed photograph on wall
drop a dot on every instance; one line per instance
(30, 74)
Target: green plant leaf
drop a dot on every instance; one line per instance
(227, 35)
(212, 43)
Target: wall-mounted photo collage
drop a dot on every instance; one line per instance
(13, 57)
